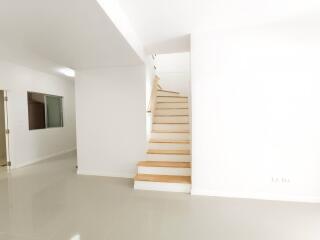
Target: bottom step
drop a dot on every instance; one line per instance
(163, 183)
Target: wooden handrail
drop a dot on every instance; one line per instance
(153, 96)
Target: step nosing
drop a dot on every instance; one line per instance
(168, 132)
(164, 164)
(169, 140)
(174, 96)
(169, 116)
(163, 178)
(161, 90)
(169, 152)
(159, 142)
(157, 131)
(169, 123)
(176, 154)
(175, 108)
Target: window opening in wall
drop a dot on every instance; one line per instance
(45, 111)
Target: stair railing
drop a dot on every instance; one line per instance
(153, 96)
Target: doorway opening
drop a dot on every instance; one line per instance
(4, 161)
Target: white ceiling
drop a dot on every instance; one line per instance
(76, 34)
(233, 14)
(79, 34)
(163, 26)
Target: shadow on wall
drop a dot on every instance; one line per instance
(174, 72)
(173, 45)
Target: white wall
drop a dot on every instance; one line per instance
(111, 123)
(174, 71)
(31, 146)
(255, 101)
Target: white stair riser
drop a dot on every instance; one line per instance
(168, 157)
(172, 99)
(171, 127)
(171, 105)
(172, 112)
(174, 119)
(173, 136)
(160, 186)
(169, 146)
(165, 171)
(166, 94)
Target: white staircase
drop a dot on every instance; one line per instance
(168, 163)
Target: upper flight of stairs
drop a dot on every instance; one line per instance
(168, 163)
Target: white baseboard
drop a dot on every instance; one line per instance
(257, 196)
(164, 171)
(161, 186)
(105, 174)
(14, 166)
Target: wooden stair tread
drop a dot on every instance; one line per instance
(170, 102)
(163, 178)
(164, 164)
(170, 123)
(169, 131)
(170, 152)
(166, 108)
(169, 141)
(172, 97)
(161, 90)
(171, 115)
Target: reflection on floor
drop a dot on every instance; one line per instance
(3, 170)
(48, 201)
(3, 161)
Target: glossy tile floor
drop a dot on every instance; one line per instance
(49, 201)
